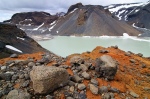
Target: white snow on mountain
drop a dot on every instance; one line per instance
(38, 27)
(20, 38)
(13, 48)
(123, 10)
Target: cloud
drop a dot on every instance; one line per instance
(9, 7)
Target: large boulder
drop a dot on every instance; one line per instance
(106, 67)
(18, 94)
(46, 79)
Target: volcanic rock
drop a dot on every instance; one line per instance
(106, 67)
(46, 79)
(94, 89)
(18, 94)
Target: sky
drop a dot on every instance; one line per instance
(10, 7)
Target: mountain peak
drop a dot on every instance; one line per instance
(72, 7)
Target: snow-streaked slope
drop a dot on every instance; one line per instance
(123, 10)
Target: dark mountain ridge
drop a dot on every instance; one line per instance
(14, 40)
(80, 20)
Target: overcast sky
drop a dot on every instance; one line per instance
(9, 7)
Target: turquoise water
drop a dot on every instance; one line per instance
(65, 45)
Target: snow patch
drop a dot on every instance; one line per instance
(53, 22)
(57, 31)
(13, 48)
(20, 38)
(119, 15)
(51, 27)
(116, 9)
(126, 35)
(73, 10)
(38, 27)
(28, 19)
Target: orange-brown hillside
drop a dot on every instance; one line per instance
(133, 74)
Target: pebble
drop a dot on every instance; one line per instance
(72, 88)
(81, 86)
(76, 79)
(114, 90)
(49, 97)
(86, 75)
(25, 84)
(103, 89)
(132, 61)
(93, 89)
(94, 81)
(21, 76)
(30, 64)
(134, 94)
(27, 77)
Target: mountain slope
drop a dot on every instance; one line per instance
(34, 23)
(14, 40)
(135, 14)
(91, 20)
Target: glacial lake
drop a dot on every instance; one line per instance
(65, 45)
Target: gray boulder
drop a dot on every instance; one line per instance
(106, 67)
(46, 79)
(18, 94)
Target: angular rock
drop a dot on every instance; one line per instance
(106, 67)
(76, 60)
(18, 94)
(81, 86)
(93, 89)
(46, 79)
(83, 67)
(94, 81)
(76, 79)
(5, 76)
(86, 75)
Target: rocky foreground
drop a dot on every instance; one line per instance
(104, 73)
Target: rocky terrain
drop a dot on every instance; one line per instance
(85, 20)
(104, 73)
(135, 14)
(14, 40)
